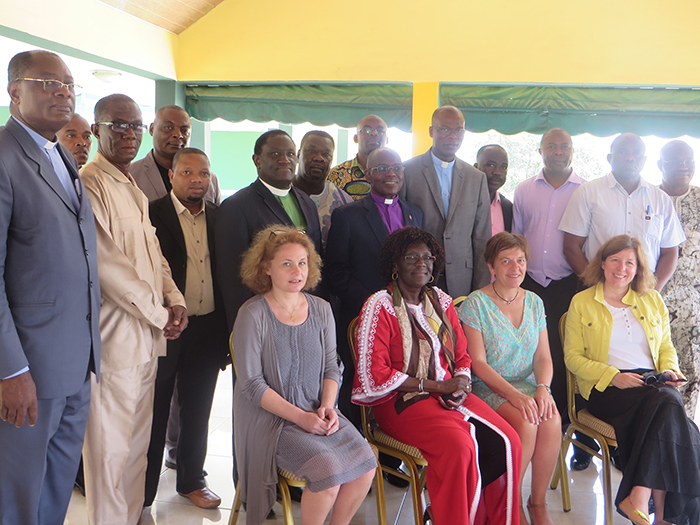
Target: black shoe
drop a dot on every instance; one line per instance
(396, 481)
(271, 515)
(295, 493)
(79, 487)
(580, 460)
(171, 464)
(615, 457)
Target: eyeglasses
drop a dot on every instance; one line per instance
(413, 259)
(275, 233)
(121, 127)
(688, 163)
(397, 168)
(54, 86)
(369, 131)
(444, 131)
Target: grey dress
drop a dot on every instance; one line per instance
(293, 361)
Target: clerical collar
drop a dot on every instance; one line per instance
(440, 162)
(277, 192)
(381, 200)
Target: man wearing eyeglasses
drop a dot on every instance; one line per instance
(351, 263)
(171, 131)
(454, 197)
(350, 175)
(49, 296)
(141, 308)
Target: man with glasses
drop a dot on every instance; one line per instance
(171, 132)
(49, 298)
(350, 175)
(454, 197)
(351, 263)
(141, 308)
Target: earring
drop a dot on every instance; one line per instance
(394, 276)
(432, 278)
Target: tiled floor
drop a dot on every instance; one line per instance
(172, 509)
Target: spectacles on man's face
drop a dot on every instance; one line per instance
(369, 131)
(413, 259)
(688, 163)
(444, 131)
(121, 127)
(54, 86)
(397, 168)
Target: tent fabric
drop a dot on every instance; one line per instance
(600, 111)
(319, 104)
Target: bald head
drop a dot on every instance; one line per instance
(677, 165)
(77, 138)
(371, 134)
(493, 161)
(557, 153)
(626, 157)
(447, 132)
(171, 132)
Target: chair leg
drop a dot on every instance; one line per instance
(607, 484)
(286, 502)
(236, 506)
(417, 491)
(563, 473)
(379, 490)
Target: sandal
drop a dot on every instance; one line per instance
(634, 515)
(531, 506)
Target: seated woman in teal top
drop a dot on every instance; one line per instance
(507, 335)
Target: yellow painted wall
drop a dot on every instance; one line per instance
(95, 28)
(571, 41)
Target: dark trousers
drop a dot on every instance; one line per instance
(38, 464)
(196, 366)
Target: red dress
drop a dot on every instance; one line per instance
(446, 438)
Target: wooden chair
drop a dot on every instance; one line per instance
(411, 456)
(583, 421)
(287, 479)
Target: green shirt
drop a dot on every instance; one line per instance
(291, 206)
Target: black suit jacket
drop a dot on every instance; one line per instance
(351, 270)
(241, 216)
(507, 208)
(172, 243)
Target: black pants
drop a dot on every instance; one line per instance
(196, 366)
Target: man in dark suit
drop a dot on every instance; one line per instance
(493, 161)
(454, 198)
(49, 296)
(184, 224)
(271, 199)
(351, 263)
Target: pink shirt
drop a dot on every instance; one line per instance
(497, 223)
(537, 212)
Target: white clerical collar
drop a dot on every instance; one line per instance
(277, 192)
(440, 162)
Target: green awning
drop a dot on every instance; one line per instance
(321, 104)
(601, 111)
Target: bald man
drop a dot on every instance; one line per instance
(492, 159)
(622, 203)
(77, 138)
(454, 197)
(350, 176)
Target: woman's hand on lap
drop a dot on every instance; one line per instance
(329, 415)
(624, 380)
(545, 404)
(313, 424)
(527, 406)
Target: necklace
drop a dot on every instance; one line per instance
(291, 314)
(493, 285)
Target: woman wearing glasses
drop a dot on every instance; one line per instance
(414, 370)
(284, 399)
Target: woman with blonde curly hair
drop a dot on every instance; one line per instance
(285, 352)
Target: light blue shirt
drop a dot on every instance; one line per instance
(444, 172)
(51, 150)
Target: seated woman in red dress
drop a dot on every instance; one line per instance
(413, 368)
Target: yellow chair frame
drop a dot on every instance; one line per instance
(583, 421)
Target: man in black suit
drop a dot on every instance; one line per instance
(357, 232)
(493, 161)
(184, 223)
(271, 199)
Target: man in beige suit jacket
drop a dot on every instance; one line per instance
(141, 307)
(455, 203)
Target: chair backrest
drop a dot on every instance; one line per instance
(366, 412)
(233, 357)
(459, 300)
(571, 383)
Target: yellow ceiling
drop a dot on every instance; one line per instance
(172, 15)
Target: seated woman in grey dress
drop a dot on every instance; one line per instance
(284, 399)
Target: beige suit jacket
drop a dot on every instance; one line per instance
(135, 278)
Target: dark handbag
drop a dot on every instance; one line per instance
(654, 377)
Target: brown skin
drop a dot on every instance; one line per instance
(386, 185)
(45, 113)
(557, 153)
(171, 132)
(77, 138)
(627, 160)
(493, 161)
(119, 148)
(367, 143)
(277, 162)
(676, 176)
(412, 279)
(315, 157)
(190, 179)
(445, 146)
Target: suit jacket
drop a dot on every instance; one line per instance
(351, 269)
(49, 292)
(172, 243)
(467, 227)
(148, 179)
(507, 208)
(241, 216)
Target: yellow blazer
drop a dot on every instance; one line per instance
(588, 331)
